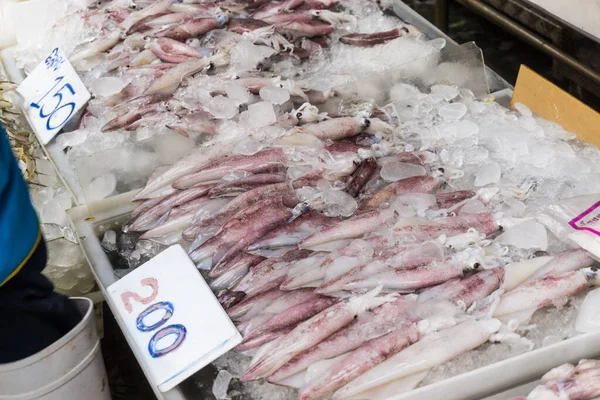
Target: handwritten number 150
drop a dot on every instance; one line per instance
(56, 117)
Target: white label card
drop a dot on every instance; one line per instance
(173, 317)
(53, 93)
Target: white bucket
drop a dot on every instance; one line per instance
(70, 368)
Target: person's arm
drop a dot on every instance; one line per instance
(19, 227)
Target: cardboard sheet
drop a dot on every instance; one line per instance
(552, 103)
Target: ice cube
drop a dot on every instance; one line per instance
(126, 242)
(41, 196)
(473, 206)
(416, 201)
(246, 55)
(515, 207)
(466, 128)
(107, 86)
(69, 234)
(564, 150)
(54, 211)
(394, 171)
(403, 92)
(247, 147)
(339, 203)
(64, 254)
(134, 259)
(475, 155)
(527, 235)
(222, 107)
(70, 139)
(588, 319)
(261, 114)
(438, 43)
(488, 174)
(100, 188)
(171, 148)
(237, 92)
(109, 241)
(221, 385)
(51, 231)
(453, 156)
(275, 95)
(523, 109)
(453, 111)
(148, 248)
(44, 167)
(444, 91)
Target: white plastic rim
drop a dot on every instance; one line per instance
(73, 364)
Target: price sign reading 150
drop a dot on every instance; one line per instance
(53, 93)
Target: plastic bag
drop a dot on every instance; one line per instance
(576, 221)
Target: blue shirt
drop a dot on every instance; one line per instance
(19, 227)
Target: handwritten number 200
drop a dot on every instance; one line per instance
(54, 115)
(177, 330)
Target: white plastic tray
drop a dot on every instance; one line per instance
(83, 223)
(477, 384)
(66, 170)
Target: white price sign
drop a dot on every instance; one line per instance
(53, 93)
(173, 317)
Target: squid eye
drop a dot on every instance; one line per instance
(299, 115)
(594, 269)
(476, 265)
(442, 170)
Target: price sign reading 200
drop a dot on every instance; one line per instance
(148, 322)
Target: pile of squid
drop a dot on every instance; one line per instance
(569, 382)
(154, 48)
(341, 282)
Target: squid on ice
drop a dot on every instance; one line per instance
(568, 381)
(375, 323)
(432, 350)
(312, 332)
(359, 250)
(340, 234)
(371, 39)
(410, 267)
(520, 303)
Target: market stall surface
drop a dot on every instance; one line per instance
(336, 204)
